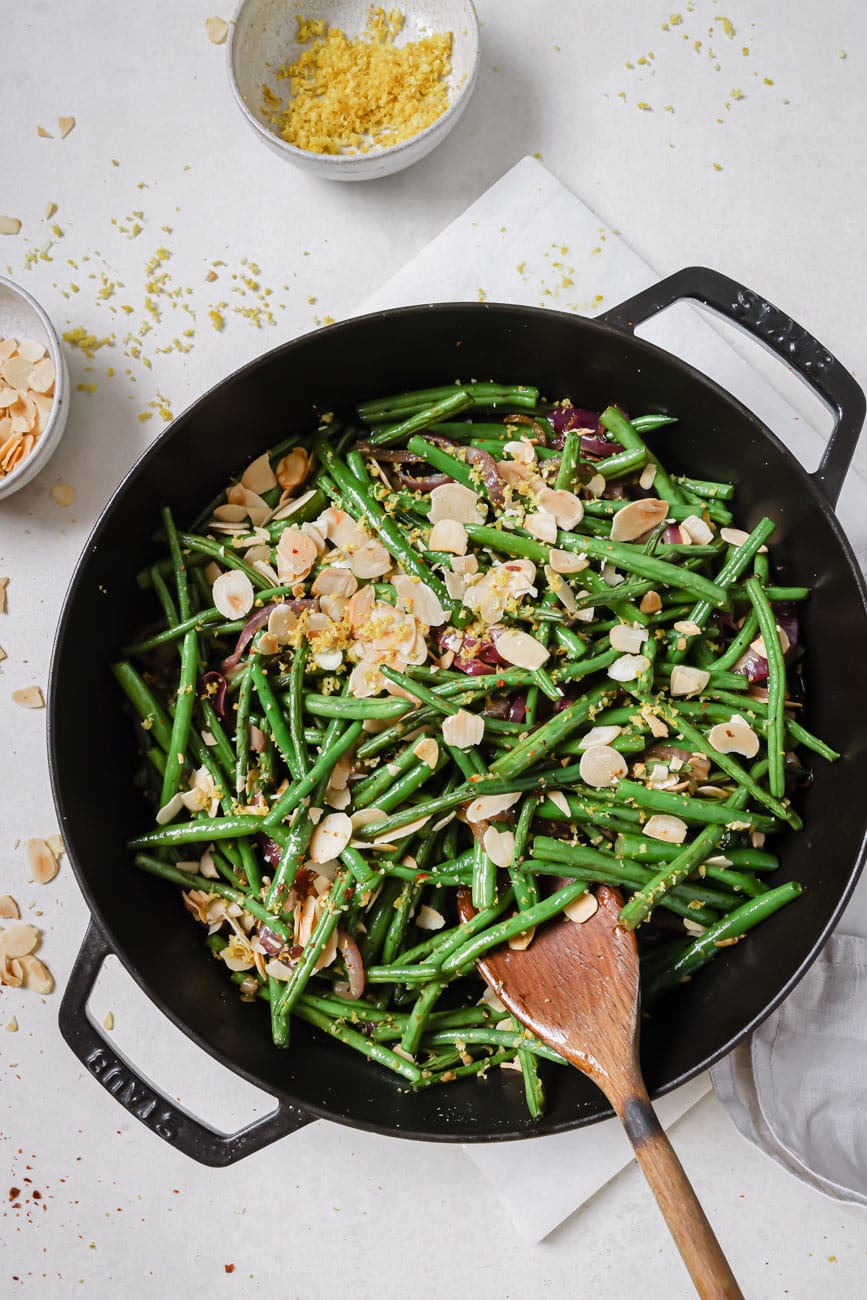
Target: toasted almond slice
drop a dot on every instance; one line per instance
(628, 667)
(65, 125)
(521, 649)
(596, 486)
(170, 810)
(30, 697)
(638, 518)
(217, 29)
(11, 973)
(541, 525)
(8, 348)
(108, 1021)
(259, 477)
(428, 918)
(699, 533)
(17, 372)
(611, 575)
(8, 908)
(42, 862)
(648, 474)
(567, 561)
(523, 451)
(628, 637)
(233, 594)
(582, 908)
(282, 622)
(456, 585)
(371, 560)
(688, 681)
(448, 535)
(693, 927)
(63, 494)
(330, 837)
(686, 627)
(734, 737)
(464, 730)
(418, 598)
(737, 537)
(559, 800)
(42, 376)
(18, 940)
(499, 846)
(662, 826)
(9, 225)
(296, 554)
(292, 470)
(456, 502)
(561, 589)
(45, 135)
(4, 583)
(599, 736)
(522, 941)
(566, 508)
(427, 751)
(488, 806)
(759, 644)
(601, 766)
(12, 1025)
(31, 350)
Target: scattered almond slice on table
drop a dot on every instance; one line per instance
(9, 225)
(217, 29)
(42, 862)
(63, 493)
(65, 125)
(29, 697)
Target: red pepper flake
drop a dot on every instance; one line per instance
(37, 1196)
(230, 1268)
(14, 1193)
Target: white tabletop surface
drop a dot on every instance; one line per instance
(330, 1208)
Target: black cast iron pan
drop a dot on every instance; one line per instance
(597, 362)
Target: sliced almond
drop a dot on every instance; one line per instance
(522, 941)
(170, 810)
(31, 350)
(456, 584)
(371, 560)
(542, 526)
(42, 862)
(559, 800)
(686, 627)
(12, 1025)
(30, 697)
(759, 644)
(296, 554)
(108, 1021)
(693, 927)
(698, 532)
(11, 973)
(259, 477)
(521, 649)
(8, 908)
(628, 637)
(448, 535)
(488, 806)
(628, 667)
(602, 766)
(217, 29)
(599, 736)
(737, 537)
(37, 975)
(499, 846)
(428, 751)
(464, 730)
(9, 225)
(65, 125)
(566, 508)
(567, 561)
(688, 681)
(651, 602)
(63, 494)
(648, 474)
(233, 594)
(638, 518)
(582, 908)
(522, 451)
(418, 598)
(662, 826)
(428, 918)
(330, 837)
(411, 828)
(18, 940)
(655, 725)
(456, 502)
(734, 737)
(561, 589)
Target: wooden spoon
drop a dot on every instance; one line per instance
(576, 987)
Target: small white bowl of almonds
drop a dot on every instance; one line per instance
(34, 388)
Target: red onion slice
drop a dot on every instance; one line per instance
(269, 941)
(752, 666)
(426, 484)
(353, 986)
(217, 697)
(486, 463)
(255, 621)
(271, 851)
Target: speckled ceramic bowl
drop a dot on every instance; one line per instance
(21, 317)
(263, 37)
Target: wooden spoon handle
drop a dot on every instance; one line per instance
(687, 1223)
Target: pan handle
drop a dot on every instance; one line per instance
(140, 1097)
(813, 363)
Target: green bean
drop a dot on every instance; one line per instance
(630, 439)
(776, 686)
(332, 903)
(242, 729)
(297, 759)
(496, 934)
(200, 830)
(352, 1038)
(190, 881)
(482, 395)
(720, 934)
(140, 696)
(621, 463)
(495, 1037)
(223, 555)
(690, 808)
